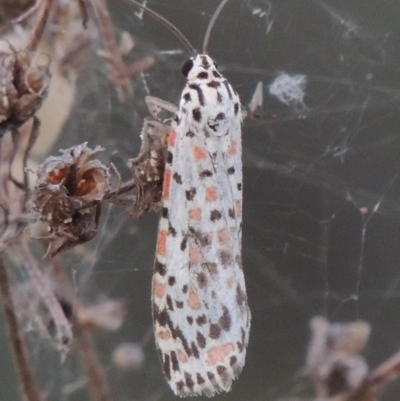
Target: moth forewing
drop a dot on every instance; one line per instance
(200, 309)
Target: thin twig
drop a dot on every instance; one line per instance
(126, 187)
(38, 29)
(30, 387)
(96, 374)
(107, 31)
(62, 325)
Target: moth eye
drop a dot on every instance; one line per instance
(186, 67)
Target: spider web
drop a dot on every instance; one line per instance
(321, 183)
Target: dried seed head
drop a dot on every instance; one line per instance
(24, 84)
(333, 361)
(67, 196)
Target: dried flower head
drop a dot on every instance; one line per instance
(333, 361)
(24, 84)
(67, 196)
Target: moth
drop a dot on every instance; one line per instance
(200, 308)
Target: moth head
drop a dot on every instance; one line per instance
(198, 67)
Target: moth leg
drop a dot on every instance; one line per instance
(254, 109)
(155, 105)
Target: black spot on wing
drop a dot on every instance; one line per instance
(189, 381)
(171, 230)
(190, 194)
(179, 334)
(170, 157)
(200, 379)
(195, 351)
(177, 120)
(201, 340)
(166, 366)
(196, 114)
(215, 215)
(162, 317)
(199, 91)
(174, 362)
(171, 281)
(190, 134)
(215, 331)
(169, 303)
(159, 267)
(241, 297)
(205, 173)
(187, 97)
(183, 244)
(231, 170)
(164, 212)
(228, 89)
(225, 320)
(236, 109)
(226, 257)
(223, 373)
(177, 177)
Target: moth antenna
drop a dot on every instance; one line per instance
(211, 24)
(166, 23)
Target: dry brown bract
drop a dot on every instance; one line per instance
(67, 196)
(24, 84)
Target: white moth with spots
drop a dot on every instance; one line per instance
(200, 309)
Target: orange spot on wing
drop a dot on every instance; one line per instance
(195, 214)
(223, 235)
(218, 354)
(199, 153)
(233, 148)
(159, 289)
(171, 138)
(182, 357)
(194, 301)
(211, 194)
(167, 184)
(238, 208)
(162, 243)
(164, 334)
(194, 255)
